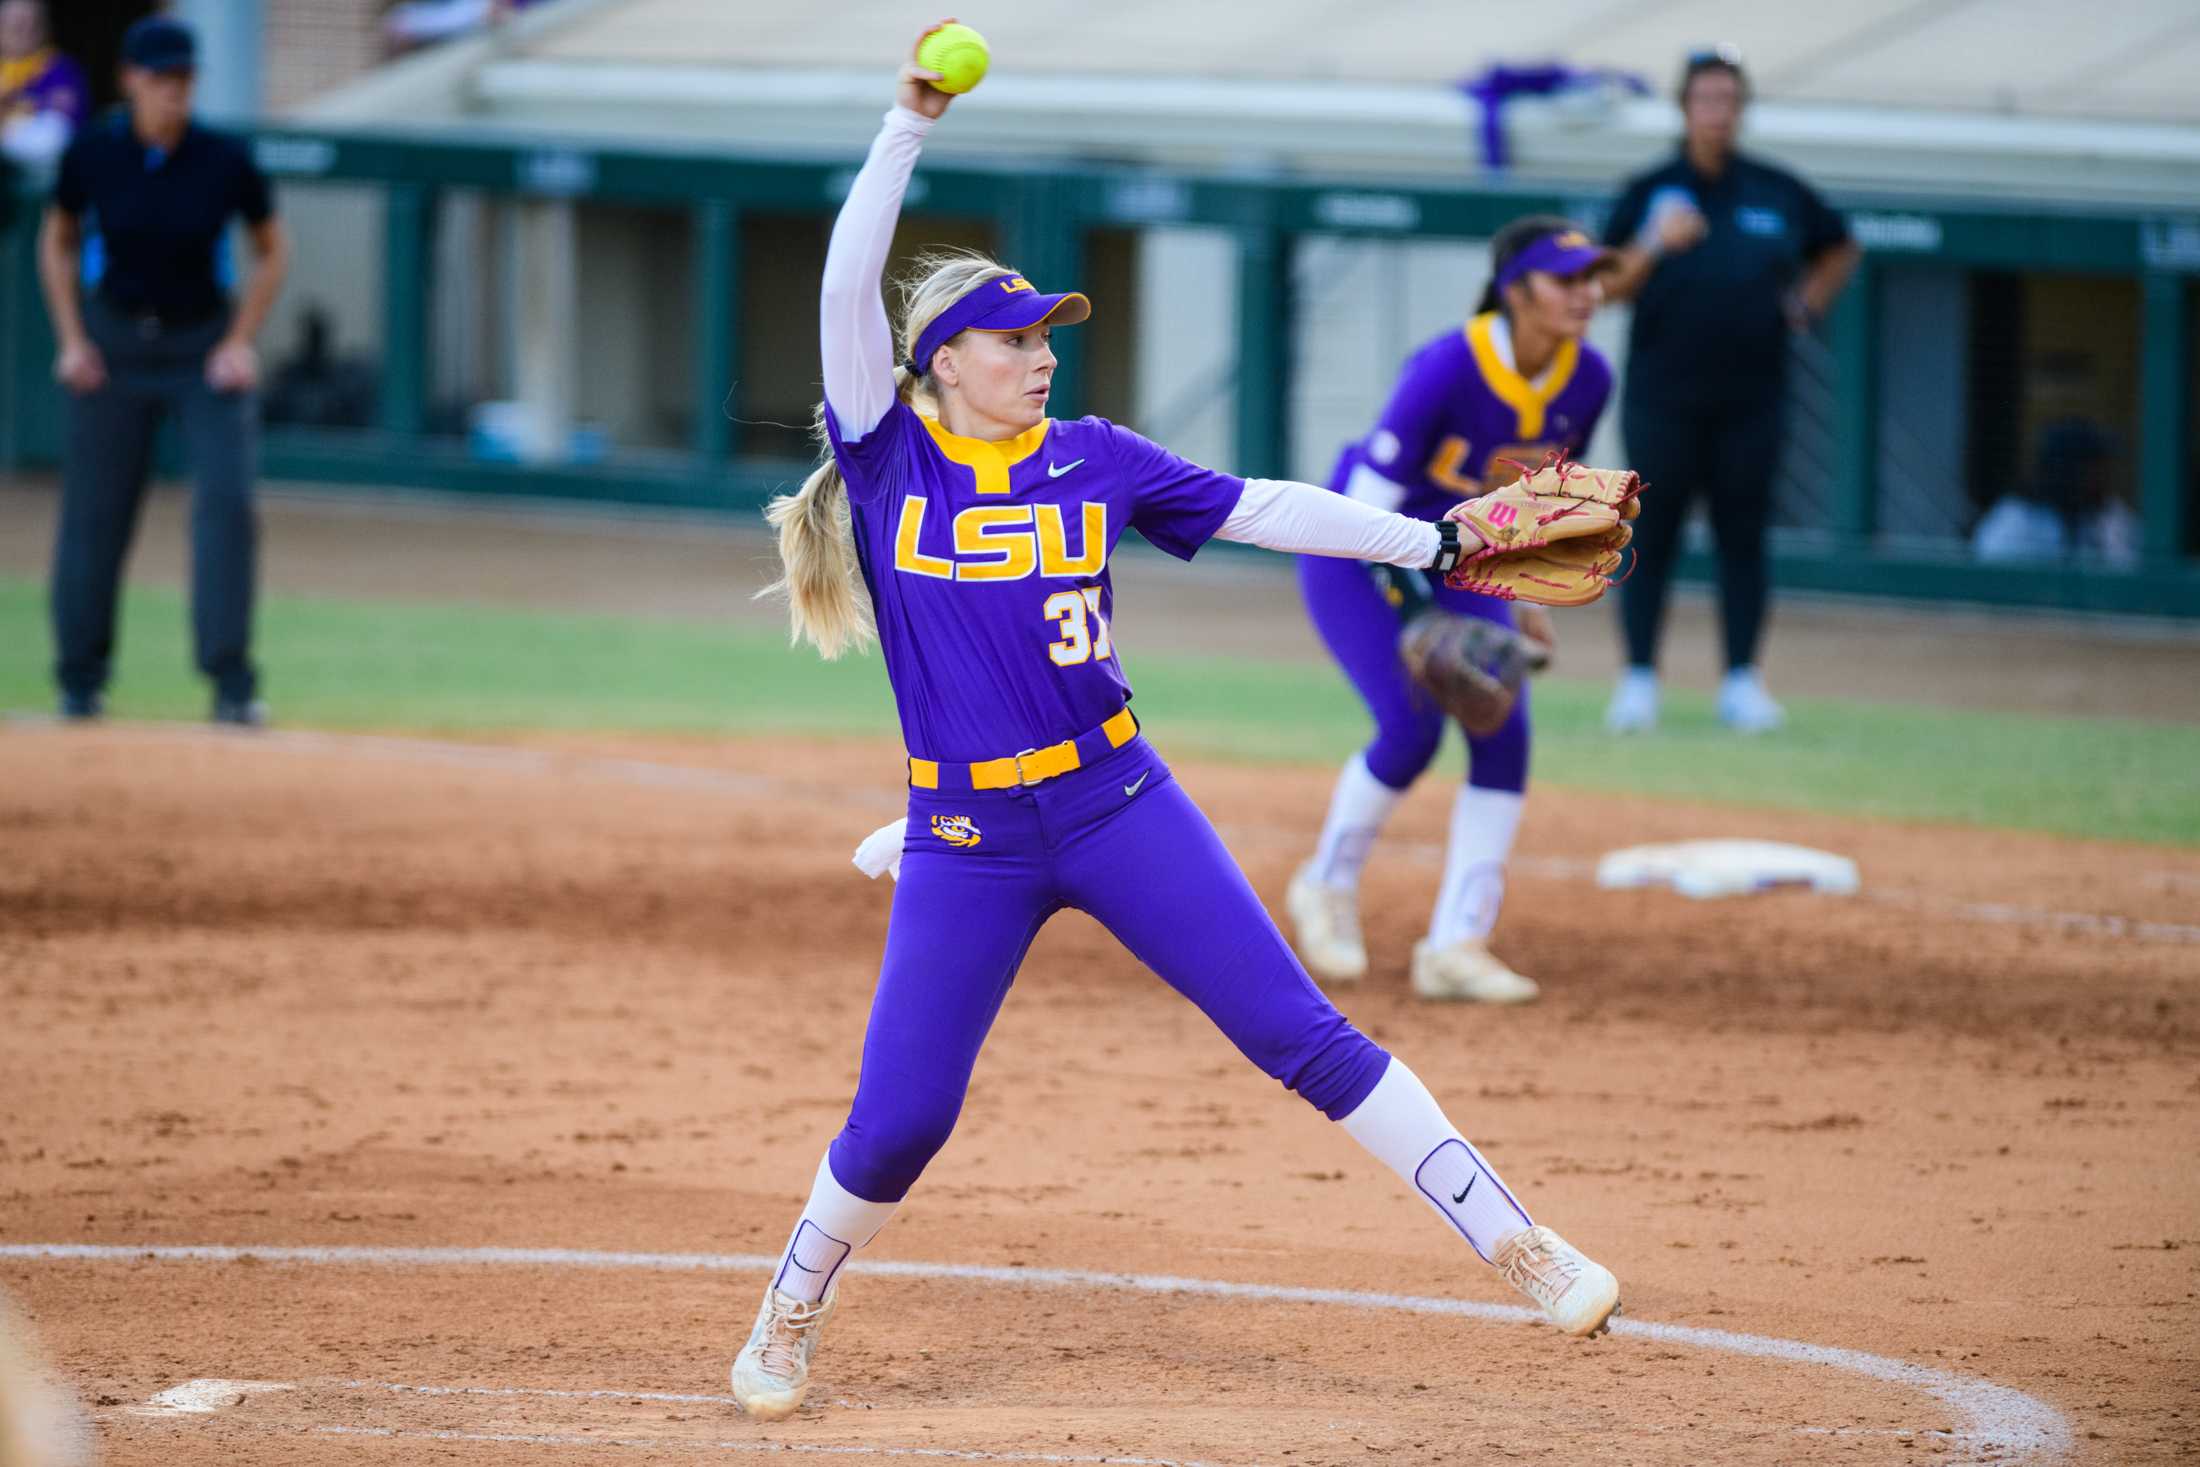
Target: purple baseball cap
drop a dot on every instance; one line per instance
(1010, 303)
(1561, 252)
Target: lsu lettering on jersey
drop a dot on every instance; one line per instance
(1458, 407)
(987, 565)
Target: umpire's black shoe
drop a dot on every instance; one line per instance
(240, 712)
(82, 707)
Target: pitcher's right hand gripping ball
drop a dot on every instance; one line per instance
(1472, 668)
(956, 55)
(1553, 536)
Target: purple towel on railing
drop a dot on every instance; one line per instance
(1501, 83)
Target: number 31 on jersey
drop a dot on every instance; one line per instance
(1083, 635)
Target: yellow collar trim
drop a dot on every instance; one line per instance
(1525, 398)
(989, 461)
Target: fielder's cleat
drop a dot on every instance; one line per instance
(1579, 1294)
(1745, 706)
(82, 707)
(1634, 705)
(1467, 972)
(239, 712)
(772, 1371)
(1327, 919)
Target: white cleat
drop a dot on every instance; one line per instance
(1579, 1294)
(1467, 972)
(1745, 706)
(1327, 920)
(1634, 705)
(772, 1371)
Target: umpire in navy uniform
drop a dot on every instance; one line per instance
(1724, 256)
(157, 334)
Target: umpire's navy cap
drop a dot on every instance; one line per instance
(160, 44)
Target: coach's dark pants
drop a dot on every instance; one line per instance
(1729, 454)
(153, 372)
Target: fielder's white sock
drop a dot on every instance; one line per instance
(1483, 824)
(1357, 810)
(834, 1224)
(1402, 1126)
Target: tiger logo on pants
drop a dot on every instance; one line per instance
(956, 830)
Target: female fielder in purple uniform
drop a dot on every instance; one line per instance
(1515, 382)
(973, 533)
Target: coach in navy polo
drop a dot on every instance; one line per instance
(135, 263)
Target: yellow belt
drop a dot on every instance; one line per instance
(1029, 767)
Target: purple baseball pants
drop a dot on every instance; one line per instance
(1360, 627)
(981, 873)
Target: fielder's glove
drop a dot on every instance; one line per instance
(1553, 536)
(1472, 668)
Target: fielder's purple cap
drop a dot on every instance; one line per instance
(1564, 252)
(1011, 303)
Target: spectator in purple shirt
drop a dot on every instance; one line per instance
(42, 92)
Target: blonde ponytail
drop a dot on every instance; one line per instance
(817, 560)
(819, 575)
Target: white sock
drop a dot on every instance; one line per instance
(1402, 1126)
(1483, 824)
(1357, 810)
(834, 1224)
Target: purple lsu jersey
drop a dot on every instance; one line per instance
(1458, 407)
(987, 565)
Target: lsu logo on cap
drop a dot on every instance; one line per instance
(1572, 239)
(1015, 283)
(956, 830)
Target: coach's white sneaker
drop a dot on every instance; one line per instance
(1579, 1294)
(773, 1369)
(1745, 706)
(1327, 919)
(1634, 705)
(1467, 971)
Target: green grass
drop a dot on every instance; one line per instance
(454, 669)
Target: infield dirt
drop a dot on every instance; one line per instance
(290, 990)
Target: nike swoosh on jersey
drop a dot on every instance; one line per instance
(1056, 471)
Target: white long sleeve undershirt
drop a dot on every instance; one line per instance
(854, 338)
(1282, 514)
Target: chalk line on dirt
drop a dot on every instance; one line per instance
(1996, 1420)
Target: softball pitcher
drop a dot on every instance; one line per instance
(970, 534)
(1514, 384)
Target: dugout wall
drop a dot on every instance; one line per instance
(1967, 331)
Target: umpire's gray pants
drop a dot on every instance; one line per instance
(151, 373)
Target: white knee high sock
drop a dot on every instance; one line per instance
(835, 1223)
(1483, 824)
(1357, 810)
(1402, 1126)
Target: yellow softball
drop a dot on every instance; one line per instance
(958, 54)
